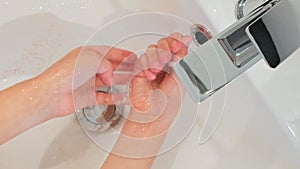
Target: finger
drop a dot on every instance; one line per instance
(176, 35)
(118, 56)
(130, 57)
(153, 60)
(98, 81)
(142, 62)
(175, 42)
(105, 72)
(115, 55)
(164, 53)
(117, 79)
(184, 50)
(187, 40)
(122, 78)
(123, 66)
(142, 68)
(110, 99)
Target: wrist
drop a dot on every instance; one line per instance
(39, 91)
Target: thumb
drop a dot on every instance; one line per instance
(105, 72)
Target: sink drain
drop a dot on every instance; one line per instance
(99, 118)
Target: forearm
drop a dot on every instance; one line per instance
(118, 162)
(140, 153)
(22, 107)
(141, 142)
(135, 154)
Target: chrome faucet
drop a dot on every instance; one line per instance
(270, 31)
(240, 9)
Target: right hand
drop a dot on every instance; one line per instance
(154, 74)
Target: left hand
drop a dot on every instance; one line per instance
(79, 73)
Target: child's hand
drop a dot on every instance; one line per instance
(155, 91)
(77, 75)
(158, 56)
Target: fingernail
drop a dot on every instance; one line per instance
(127, 53)
(187, 40)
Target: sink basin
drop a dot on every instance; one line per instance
(260, 126)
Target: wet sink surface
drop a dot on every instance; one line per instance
(261, 107)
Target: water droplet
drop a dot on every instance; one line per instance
(4, 80)
(34, 85)
(143, 127)
(58, 74)
(62, 3)
(5, 3)
(41, 7)
(115, 133)
(23, 90)
(30, 98)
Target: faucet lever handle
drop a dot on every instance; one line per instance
(270, 32)
(275, 34)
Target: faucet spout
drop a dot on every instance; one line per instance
(264, 33)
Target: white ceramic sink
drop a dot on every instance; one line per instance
(260, 127)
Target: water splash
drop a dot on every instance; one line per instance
(38, 56)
